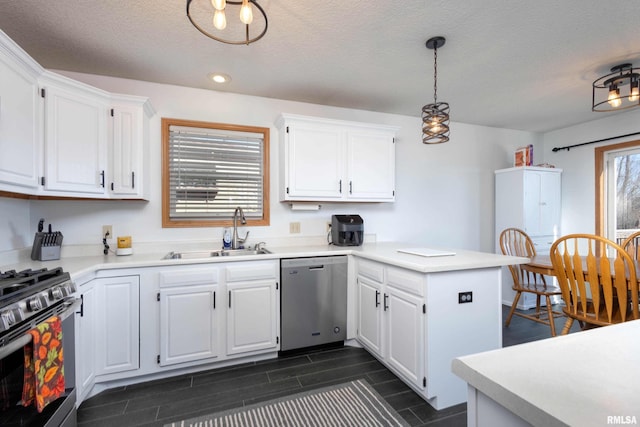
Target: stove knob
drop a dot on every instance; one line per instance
(7, 318)
(34, 304)
(56, 293)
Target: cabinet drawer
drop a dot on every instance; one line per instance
(371, 270)
(542, 244)
(192, 276)
(409, 281)
(251, 271)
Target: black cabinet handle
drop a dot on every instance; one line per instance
(112, 186)
(340, 186)
(133, 179)
(377, 298)
(350, 187)
(229, 299)
(102, 179)
(214, 300)
(386, 306)
(81, 312)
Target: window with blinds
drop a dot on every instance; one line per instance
(210, 169)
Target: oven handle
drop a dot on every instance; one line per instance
(25, 339)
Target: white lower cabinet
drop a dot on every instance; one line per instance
(391, 320)
(253, 307)
(118, 324)
(405, 334)
(189, 320)
(85, 331)
(370, 315)
(107, 331)
(252, 316)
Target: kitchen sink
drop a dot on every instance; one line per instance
(215, 253)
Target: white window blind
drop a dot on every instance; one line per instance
(212, 171)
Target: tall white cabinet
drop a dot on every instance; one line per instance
(528, 198)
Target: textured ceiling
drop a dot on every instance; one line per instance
(515, 64)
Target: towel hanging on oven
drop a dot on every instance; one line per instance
(43, 364)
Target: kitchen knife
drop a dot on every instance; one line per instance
(41, 225)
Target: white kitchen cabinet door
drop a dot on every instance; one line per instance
(85, 329)
(75, 141)
(118, 324)
(336, 160)
(126, 138)
(19, 119)
(405, 334)
(541, 203)
(370, 300)
(315, 162)
(252, 313)
(189, 324)
(370, 165)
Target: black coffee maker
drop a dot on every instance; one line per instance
(347, 230)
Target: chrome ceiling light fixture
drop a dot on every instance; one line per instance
(618, 90)
(435, 117)
(210, 18)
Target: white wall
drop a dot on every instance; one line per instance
(578, 164)
(444, 192)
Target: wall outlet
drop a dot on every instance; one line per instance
(107, 229)
(294, 227)
(465, 297)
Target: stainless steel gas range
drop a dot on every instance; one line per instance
(28, 298)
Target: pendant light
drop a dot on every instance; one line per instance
(213, 17)
(435, 117)
(618, 90)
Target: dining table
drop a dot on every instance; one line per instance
(540, 264)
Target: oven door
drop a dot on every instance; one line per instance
(62, 411)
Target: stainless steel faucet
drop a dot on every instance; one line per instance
(236, 241)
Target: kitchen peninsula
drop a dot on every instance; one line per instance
(582, 379)
(414, 313)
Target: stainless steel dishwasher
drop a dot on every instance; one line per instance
(313, 301)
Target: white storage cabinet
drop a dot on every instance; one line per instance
(528, 198)
(19, 119)
(63, 138)
(189, 315)
(253, 307)
(335, 160)
(391, 318)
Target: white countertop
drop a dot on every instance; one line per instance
(386, 252)
(578, 379)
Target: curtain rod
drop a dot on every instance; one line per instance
(569, 147)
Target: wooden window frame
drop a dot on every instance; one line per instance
(601, 202)
(167, 222)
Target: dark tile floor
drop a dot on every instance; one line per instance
(159, 402)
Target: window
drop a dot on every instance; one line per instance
(618, 190)
(209, 169)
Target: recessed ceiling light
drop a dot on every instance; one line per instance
(220, 78)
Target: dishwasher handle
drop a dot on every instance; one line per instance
(316, 267)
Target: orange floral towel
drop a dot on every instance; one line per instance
(43, 364)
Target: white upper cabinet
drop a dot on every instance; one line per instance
(334, 160)
(75, 139)
(19, 118)
(63, 138)
(128, 147)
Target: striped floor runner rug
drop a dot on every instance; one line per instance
(350, 404)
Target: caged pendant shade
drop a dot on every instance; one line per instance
(228, 21)
(435, 116)
(618, 90)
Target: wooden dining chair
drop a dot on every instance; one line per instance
(516, 242)
(598, 280)
(632, 245)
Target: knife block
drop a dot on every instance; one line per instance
(45, 247)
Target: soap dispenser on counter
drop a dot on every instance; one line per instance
(226, 239)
